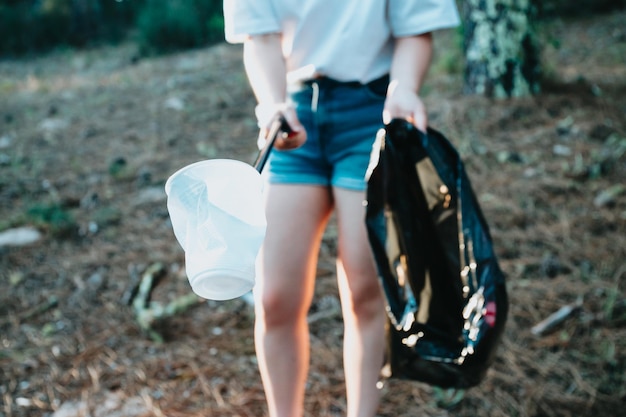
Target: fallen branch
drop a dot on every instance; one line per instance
(554, 319)
(148, 313)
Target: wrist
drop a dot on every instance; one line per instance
(397, 85)
(267, 111)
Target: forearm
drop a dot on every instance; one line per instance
(411, 60)
(266, 71)
(265, 68)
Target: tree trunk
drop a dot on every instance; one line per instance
(502, 58)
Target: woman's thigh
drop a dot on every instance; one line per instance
(296, 218)
(354, 252)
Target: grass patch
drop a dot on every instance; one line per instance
(52, 217)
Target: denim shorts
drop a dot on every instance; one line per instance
(341, 120)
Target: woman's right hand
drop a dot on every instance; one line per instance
(285, 140)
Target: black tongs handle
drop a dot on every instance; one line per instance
(278, 128)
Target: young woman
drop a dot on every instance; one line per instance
(337, 70)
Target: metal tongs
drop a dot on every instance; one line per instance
(278, 128)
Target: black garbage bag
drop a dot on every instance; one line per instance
(446, 297)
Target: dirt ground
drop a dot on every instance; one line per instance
(87, 140)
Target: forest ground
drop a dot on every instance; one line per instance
(88, 138)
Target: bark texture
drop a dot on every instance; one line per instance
(502, 58)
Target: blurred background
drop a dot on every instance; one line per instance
(102, 100)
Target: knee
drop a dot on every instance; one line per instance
(366, 300)
(278, 309)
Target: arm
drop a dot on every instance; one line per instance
(265, 68)
(411, 60)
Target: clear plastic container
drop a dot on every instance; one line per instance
(217, 213)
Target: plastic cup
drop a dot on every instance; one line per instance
(217, 213)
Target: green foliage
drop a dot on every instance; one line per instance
(31, 26)
(117, 18)
(25, 27)
(38, 25)
(168, 25)
(53, 217)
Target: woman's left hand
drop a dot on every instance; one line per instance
(402, 103)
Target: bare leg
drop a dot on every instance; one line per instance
(296, 216)
(362, 305)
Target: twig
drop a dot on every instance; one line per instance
(147, 284)
(322, 315)
(556, 318)
(50, 303)
(135, 279)
(147, 313)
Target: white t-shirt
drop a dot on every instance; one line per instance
(348, 40)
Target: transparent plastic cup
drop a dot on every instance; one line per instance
(216, 209)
